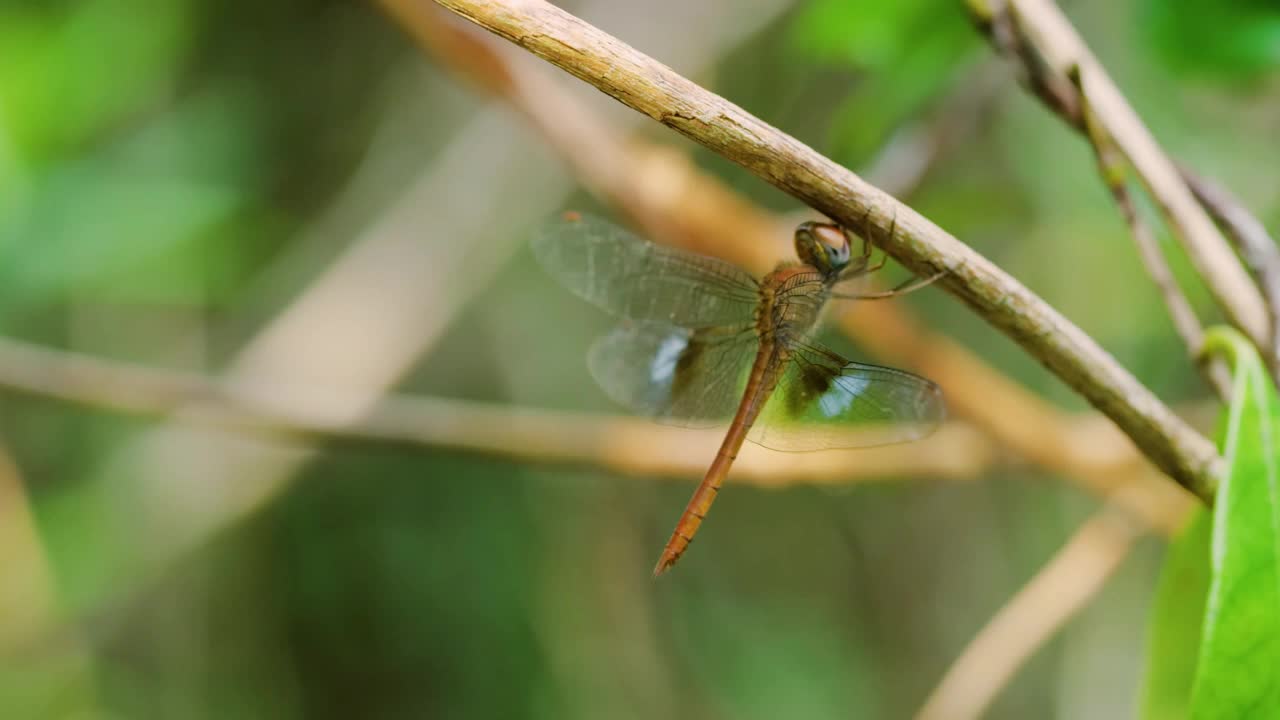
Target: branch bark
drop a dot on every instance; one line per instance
(1114, 171)
(1039, 38)
(1255, 245)
(660, 93)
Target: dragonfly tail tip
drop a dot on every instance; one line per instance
(664, 564)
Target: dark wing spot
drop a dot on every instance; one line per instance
(688, 360)
(815, 380)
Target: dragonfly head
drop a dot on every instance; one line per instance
(822, 245)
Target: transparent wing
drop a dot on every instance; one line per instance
(636, 279)
(824, 401)
(679, 376)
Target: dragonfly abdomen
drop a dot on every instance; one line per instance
(763, 379)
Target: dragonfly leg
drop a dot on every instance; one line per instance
(906, 286)
(863, 264)
(865, 255)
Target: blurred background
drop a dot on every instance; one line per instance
(293, 194)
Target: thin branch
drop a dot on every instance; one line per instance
(1048, 36)
(1036, 35)
(655, 90)
(1032, 617)
(642, 181)
(619, 444)
(995, 19)
(1253, 242)
(1114, 170)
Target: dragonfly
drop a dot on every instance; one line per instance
(704, 343)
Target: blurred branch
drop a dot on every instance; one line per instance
(619, 444)
(655, 90)
(1039, 38)
(904, 162)
(1092, 456)
(1112, 167)
(1032, 616)
(643, 181)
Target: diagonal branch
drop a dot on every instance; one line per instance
(1255, 245)
(657, 91)
(1040, 39)
(1114, 171)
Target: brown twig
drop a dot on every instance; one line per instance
(1031, 617)
(996, 20)
(655, 90)
(1114, 171)
(1036, 35)
(620, 444)
(1253, 242)
(642, 181)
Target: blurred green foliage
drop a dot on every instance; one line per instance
(904, 56)
(1232, 40)
(97, 187)
(1177, 617)
(171, 173)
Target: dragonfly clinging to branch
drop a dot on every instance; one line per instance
(705, 343)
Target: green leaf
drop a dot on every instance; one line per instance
(1174, 638)
(1240, 647)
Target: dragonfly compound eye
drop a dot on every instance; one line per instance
(822, 245)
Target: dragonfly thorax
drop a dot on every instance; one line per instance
(791, 301)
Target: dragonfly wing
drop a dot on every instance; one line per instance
(824, 401)
(636, 279)
(679, 376)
